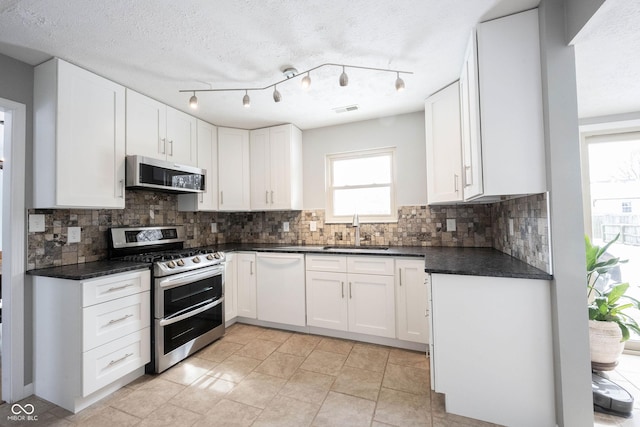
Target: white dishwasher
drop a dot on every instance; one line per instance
(281, 288)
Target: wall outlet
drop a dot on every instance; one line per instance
(285, 226)
(74, 234)
(214, 227)
(451, 224)
(510, 226)
(152, 214)
(313, 226)
(36, 223)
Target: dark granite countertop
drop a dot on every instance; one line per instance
(445, 260)
(89, 270)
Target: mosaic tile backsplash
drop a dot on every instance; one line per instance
(416, 226)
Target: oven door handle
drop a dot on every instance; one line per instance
(181, 279)
(190, 313)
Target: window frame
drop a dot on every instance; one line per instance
(329, 188)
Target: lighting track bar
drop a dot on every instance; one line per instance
(292, 73)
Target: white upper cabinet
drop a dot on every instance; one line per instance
(505, 125)
(158, 131)
(276, 168)
(233, 169)
(442, 122)
(79, 138)
(207, 154)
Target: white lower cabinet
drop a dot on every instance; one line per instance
(351, 300)
(91, 337)
(492, 348)
(230, 287)
(247, 293)
(411, 301)
(280, 288)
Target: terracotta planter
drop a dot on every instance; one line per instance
(604, 341)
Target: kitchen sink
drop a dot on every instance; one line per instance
(359, 248)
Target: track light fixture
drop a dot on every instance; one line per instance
(193, 101)
(291, 73)
(399, 84)
(246, 101)
(344, 79)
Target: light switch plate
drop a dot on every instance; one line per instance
(451, 224)
(214, 227)
(312, 226)
(285, 226)
(36, 223)
(73, 234)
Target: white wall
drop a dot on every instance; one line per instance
(405, 132)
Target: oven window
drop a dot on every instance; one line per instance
(184, 331)
(183, 297)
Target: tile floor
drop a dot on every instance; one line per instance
(266, 377)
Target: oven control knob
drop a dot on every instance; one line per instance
(171, 264)
(196, 259)
(180, 262)
(209, 257)
(217, 255)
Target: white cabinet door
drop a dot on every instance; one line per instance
(327, 300)
(247, 298)
(146, 126)
(181, 137)
(444, 161)
(233, 169)
(411, 301)
(79, 138)
(281, 294)
(371, 304)
(470, 123)
(280, 162)
(207, 155)
(230, 287)
(260, 169)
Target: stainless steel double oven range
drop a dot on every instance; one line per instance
(187, 290)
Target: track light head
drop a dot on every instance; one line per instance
(246, 101)
(399, 83)
(276, 94)
(344, 79)
(193, 101)
(306, 81)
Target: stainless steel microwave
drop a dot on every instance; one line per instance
(160, 175)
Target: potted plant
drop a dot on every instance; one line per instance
(609, 325)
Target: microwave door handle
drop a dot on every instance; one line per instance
(191, 313)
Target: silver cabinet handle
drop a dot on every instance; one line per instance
(350, 295)
(271, 196)
(221, 197)
(400, 275)
(117, 288)
(113, 362)
(164, 145)
(468, 177)
(342, 286)
(251, 268)
(171, 146)
(201, 197)
(266, 197)
(455, 183)
(122, 188)
(125, 317)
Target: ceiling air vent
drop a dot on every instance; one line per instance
(346, 109)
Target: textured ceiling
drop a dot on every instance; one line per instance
(608, 60)
(159, 47)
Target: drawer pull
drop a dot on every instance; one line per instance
(342, 285)
(113, 362)
(117, 288)
(112, 321)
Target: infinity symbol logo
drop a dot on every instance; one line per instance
(28, 409)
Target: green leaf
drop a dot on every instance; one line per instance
(625, 331)
(593, 312)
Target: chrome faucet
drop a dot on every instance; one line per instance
(356, 225)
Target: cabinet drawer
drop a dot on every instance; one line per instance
(95, 291)
(111, 320)
(370, 265)
(327, 263)
(107, 363)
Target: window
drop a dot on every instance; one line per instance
(361, 182)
